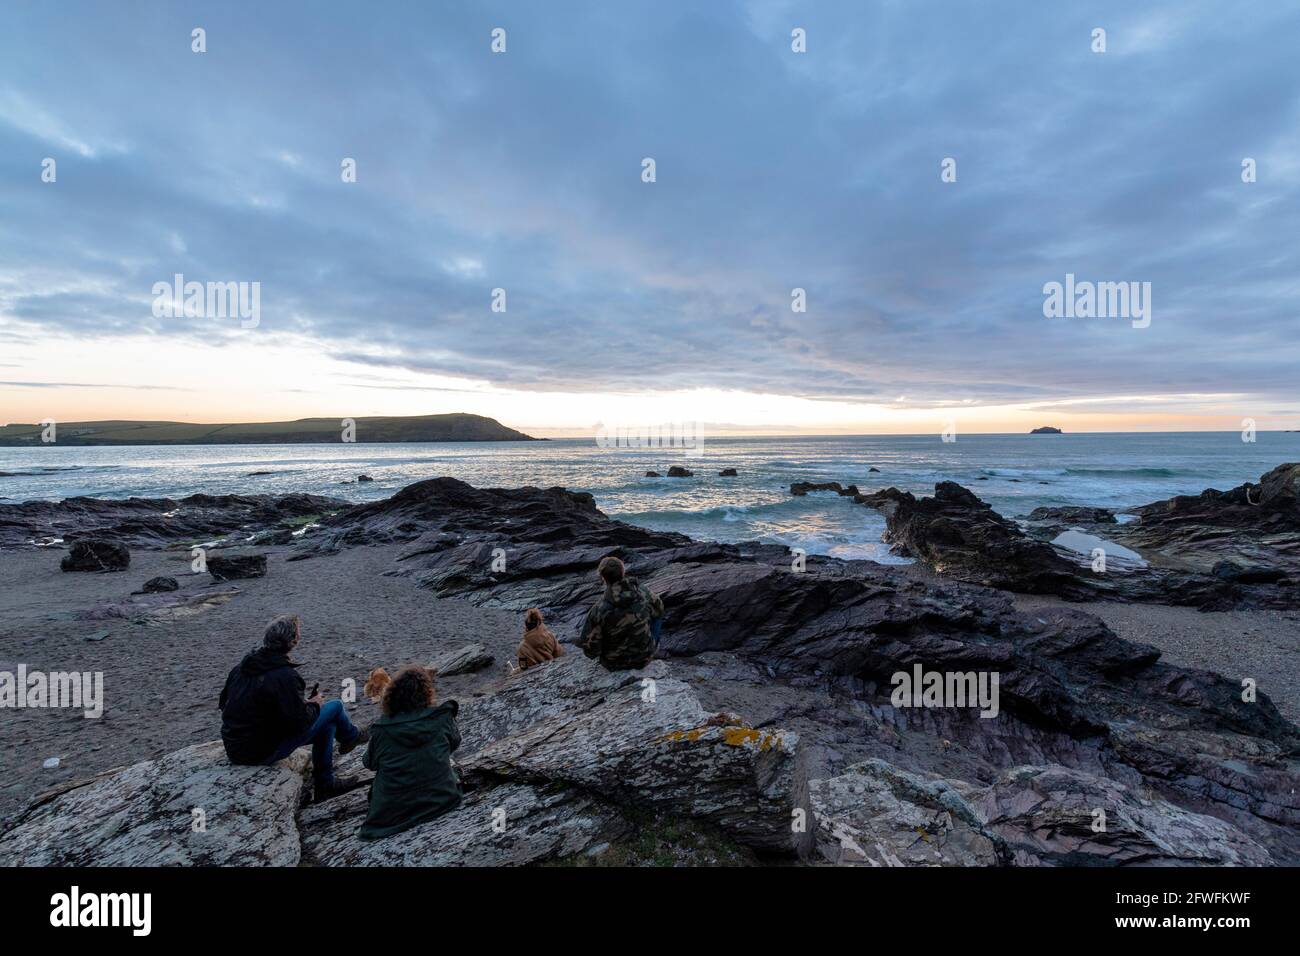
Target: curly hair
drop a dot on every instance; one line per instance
(411, 689)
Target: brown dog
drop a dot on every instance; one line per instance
(379, 680)
(376, 683)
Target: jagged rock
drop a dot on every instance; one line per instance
(153, 522)
(646, 742)
(956, 533)
(433, 510)
(1256, 525)
(234, 567)
(95, 554)
(1183, 545)
(535, 824)
(463, 660)
(727, 473)
(1073, 515)
(801, 488)
(567, 747)
(813, 652)
(1256, 574)
(1218, 550)
(1052, 815)
(144, 815)
(160, 584)
(1070, 689)
(364, 478)
(878, 815)
(677, 471)
(653, 474)
(873, 469)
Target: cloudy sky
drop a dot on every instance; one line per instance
(631, 301)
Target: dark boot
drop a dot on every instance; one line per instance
(328, 788)
(362, 736)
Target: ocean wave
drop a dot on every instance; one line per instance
(1024, 472)
(1127, 472)
(711, 513)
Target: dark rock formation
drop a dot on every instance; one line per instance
(653, 474)
(463, 660)
(1045, 430)
(233, 567)
(815, 652)
(801, 488)
(1073, 515)
(160, 584)
(727, 473)
(956, 533)
(777, 698)
(1255, 524)
(96, 554)
(364, 478)
(677, 471)
(1214, 551)
(154, 522)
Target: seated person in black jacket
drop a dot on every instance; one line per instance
(264, 717)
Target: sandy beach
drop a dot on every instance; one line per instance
(161, 679)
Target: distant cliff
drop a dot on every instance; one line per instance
(452, 427)
(1046, 430)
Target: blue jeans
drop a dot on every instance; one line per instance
(333, 720)
(656, 630)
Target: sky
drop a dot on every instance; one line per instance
(630, 302)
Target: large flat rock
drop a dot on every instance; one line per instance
(874, 814)
(145, 815)
(1054, 816)
(644, 740)
(506, 825)
(630, 740)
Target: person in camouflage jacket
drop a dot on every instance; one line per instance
(618, 630)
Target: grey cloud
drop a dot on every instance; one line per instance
(775, 171)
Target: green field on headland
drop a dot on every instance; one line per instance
(417, 428)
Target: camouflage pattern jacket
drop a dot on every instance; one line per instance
(618, 626)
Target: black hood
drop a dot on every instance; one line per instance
(262, 660)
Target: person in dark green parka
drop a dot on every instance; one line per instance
(410, 752)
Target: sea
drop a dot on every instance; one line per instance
(1013, 473)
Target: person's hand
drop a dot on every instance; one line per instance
(316, 699)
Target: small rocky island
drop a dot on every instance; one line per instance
(1046, 430)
